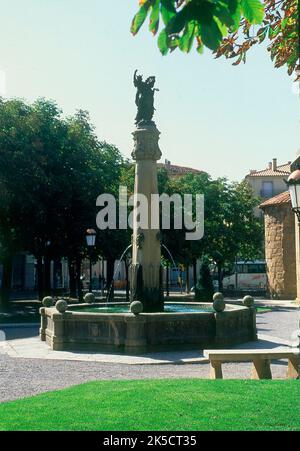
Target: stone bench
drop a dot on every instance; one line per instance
(261, 359)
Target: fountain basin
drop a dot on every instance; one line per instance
(195, 327)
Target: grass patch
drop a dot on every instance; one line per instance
(169, 404)
(263, 309)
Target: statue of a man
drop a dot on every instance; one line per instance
(144, 99)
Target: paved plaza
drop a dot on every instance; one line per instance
(28, 366)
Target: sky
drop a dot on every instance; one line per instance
(212, 116)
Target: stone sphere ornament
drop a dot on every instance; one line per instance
(48, 301)
(219, 305)
(89, 298)
(136, 307)
(61, 306)
(218, 296)
(248, 301)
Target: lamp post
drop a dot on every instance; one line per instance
(90, 241)
(293, 183)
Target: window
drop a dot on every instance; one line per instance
(251, 268)
(267, 189)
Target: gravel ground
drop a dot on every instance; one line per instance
(25, 377)
(279, 323)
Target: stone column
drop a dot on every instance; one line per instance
(146, 283)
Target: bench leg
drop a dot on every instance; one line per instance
(216, 370)
(261, 369)
(293, 368)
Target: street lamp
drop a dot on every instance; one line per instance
(90, 241)
(293, 183)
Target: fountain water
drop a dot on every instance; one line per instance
(172, 259)
(116, 271)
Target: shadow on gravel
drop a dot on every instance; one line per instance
(13, 333)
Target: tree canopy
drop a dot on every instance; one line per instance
(230, 228)
(227, 27)
(52, 170)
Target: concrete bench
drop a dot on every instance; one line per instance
(261, 359)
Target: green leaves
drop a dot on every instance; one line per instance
(140, 18)
(187, 39)
(223, 13)
(236, 17)
(168, 10)
(154, 17)
(211, 35)
(253, 11)
(207, 21)
(162, 42)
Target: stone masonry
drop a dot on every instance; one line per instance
(280, 246)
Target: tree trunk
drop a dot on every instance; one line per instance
(78, 279)
(167, 280)
(109, 278)
(47, 276)
(127, 282)
(195, 273)
(6, 282)
(187, 286)
(40, 278)
(72, 278)
(220, 277)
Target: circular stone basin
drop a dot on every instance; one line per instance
(169, 308)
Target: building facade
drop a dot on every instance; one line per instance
(268, 182)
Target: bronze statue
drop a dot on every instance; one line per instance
(144, 99)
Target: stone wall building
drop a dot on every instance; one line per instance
(280, 246)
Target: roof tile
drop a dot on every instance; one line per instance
(175, 170)
(282, 198)
(282, 170)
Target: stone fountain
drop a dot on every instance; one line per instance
(147, 323)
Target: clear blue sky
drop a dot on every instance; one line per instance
(211, 115)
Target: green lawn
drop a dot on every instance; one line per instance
(170, 404)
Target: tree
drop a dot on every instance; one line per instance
(204, 288)
(280, 26)
(225, 27)
(233, 230)
(230, 228)
(51, 172)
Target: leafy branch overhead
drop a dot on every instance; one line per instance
(227, 27)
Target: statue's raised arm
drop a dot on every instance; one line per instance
(135, 78)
